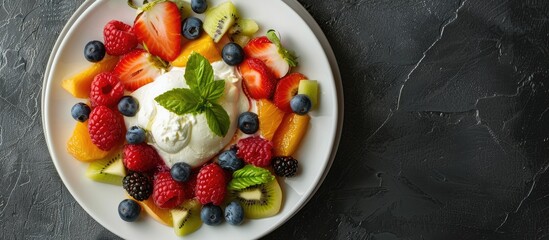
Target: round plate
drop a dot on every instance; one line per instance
(298, 32)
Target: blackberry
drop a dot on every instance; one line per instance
(138, 186)
(284, 166)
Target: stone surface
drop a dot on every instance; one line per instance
(445, 134)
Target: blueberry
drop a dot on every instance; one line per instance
(191, 28)
(135, 135)
(129, 210)
(80, 112)
(229, 161)
(128, 106)
(248, 122)
(199, 6)
(180, 171)
(234, 213)
(211, 214)
(94, 51)
(232, 54)
(301, 104)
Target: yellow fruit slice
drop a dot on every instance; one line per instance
(270, 118)
(81, 147)
(203, 45)
(290, 133)
(79, 85)
(161, 215)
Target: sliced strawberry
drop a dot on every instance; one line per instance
(137, 68)
(159, 28)
(269, 50)
(286, 89)
(258, 80)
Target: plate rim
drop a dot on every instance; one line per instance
(318, 33)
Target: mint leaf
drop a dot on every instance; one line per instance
(198, 73)
(179, 101)
(249, 176)
(218, 119)
(214, 90)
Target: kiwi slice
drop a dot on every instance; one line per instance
(259, 201)
(108, 170)
(244, 26)
(186, 217)
(219, 19)
(309, 88)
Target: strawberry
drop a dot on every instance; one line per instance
(119, 38)
(159, 28)
(140, 157)
(258, 81)
(167, 193)
(137, 68)
(106, 90)
(286, 89)
(269, 50)
(255, 150)
(106, 128)
(211, 184)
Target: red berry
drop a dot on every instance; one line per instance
(255, 150)
(257, 79)
(106, 90)
(106, 128)
(140, 157)
(119, 38)
(167, 193)
(211, 184)
(136, 69)
(190, 185)
(159, 27)
(286, 89)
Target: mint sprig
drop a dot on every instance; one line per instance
(202, 96)
(249, 176)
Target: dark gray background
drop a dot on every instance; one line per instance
(445, 133)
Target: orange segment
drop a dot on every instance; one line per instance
(204, 45)
(270, 118)
(81, 147)
(288, 136)
(161, 215)
(79, 85)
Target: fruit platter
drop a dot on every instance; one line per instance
(192, 119)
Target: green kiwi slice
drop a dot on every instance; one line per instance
(186, 217)
(108, 170)
(244, 26)
(259, 201)
(219, 19)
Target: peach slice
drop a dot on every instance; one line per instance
(289, 134)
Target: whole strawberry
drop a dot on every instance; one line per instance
(106, 128)
(140, 157)
(119, 38)
(211, 184)
(106, 90)
(167, 193)
(255, 150)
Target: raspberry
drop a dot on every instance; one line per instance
(284, 166)
(106, 128)
(167, 193)
(119, 38)
(140, 157)
(211, 184)
(137, 185)
(255, 150)
(106, 90)
(190, 186)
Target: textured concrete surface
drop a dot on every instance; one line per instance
(445, 136)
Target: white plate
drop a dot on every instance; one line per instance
(299, 33)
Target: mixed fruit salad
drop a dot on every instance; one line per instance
(194, 111)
